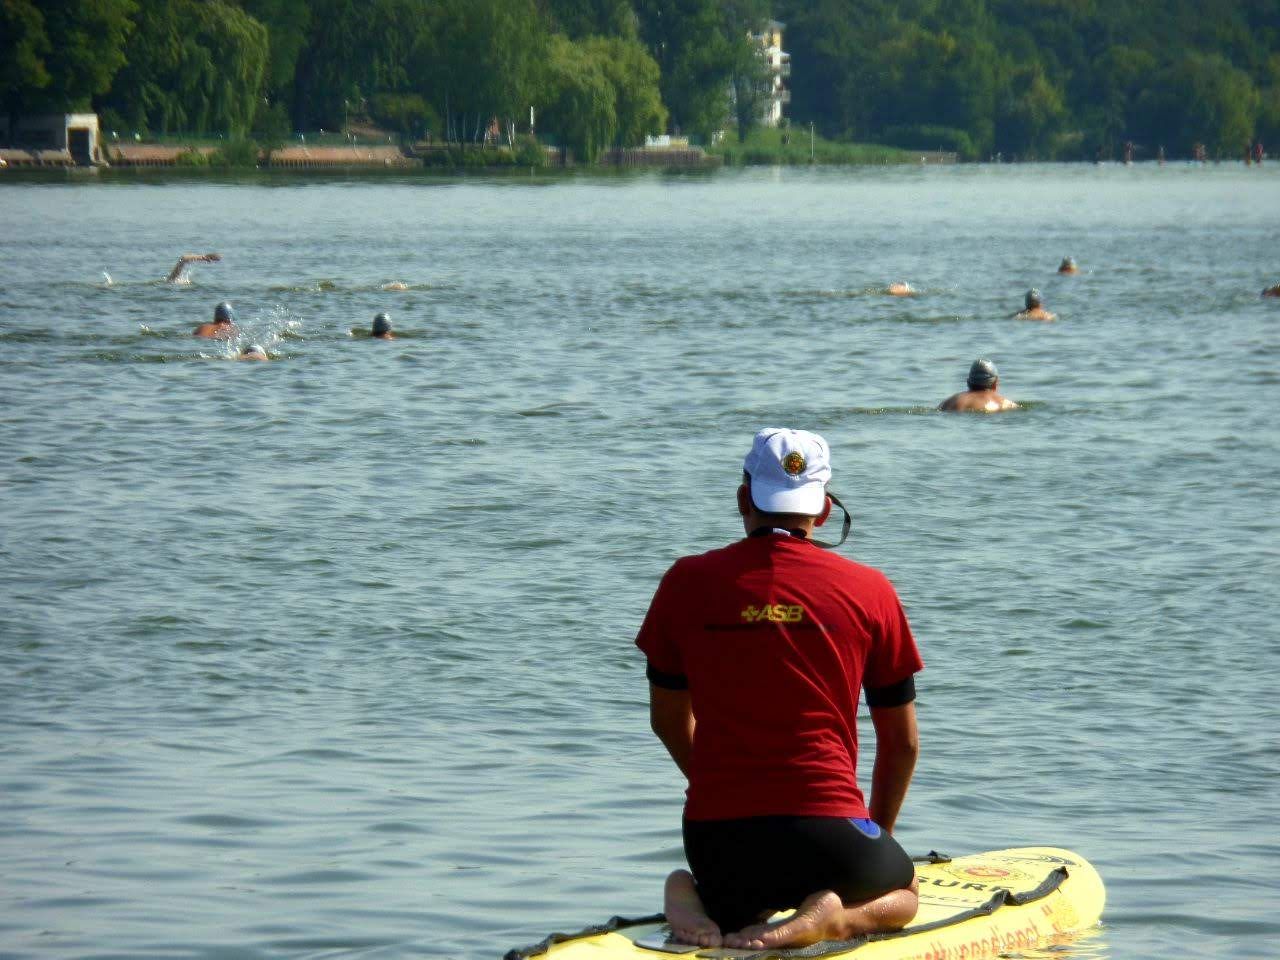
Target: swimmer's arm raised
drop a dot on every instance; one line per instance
(188, 258)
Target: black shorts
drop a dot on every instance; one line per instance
(749, 868)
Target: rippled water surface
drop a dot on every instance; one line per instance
(332, 656)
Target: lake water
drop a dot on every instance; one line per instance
(332, 656)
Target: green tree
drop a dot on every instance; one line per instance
(750, 77)
(635, 79)
(23, 45)
(580, 100)
(87, 40)
(1269, 103)
(193, 65)
(829, 42)
(355, 50)
(1117, 76)
(1030, 113)
(1200, 98)
(487, 59)
(593, 18)
(63, 55)
(696, 49)
(288, 23)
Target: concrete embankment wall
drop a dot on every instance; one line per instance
(642, 157)
(355, 156)
(10, 157)
(156, 155)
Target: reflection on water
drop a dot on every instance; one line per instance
(335, 655)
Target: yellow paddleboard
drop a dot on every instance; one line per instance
(982, 905)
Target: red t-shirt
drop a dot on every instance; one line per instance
(775, 637)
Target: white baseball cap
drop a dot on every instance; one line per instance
(789, 471)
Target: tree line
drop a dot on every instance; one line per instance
(1022, 78)
(1042, 79)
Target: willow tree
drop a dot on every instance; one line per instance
(194, 65)
(635, 80)
(579, 100)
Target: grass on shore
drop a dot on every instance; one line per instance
(764, 147)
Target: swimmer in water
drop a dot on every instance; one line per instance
(381, 329)
(1068, 265)
(1272, 291)
(900, 289)
(981, 397)
(395, 285)
(253, 351)
(1035, 308)
(223, 326)
(179, 272)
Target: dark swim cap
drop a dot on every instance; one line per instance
(223, 312)
(1033, 298)
(381, 324)
(983, 375)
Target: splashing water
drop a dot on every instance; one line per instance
(266, 329)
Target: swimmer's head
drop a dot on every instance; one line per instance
(1033, 298)
(983, 375)
(1068, 265)
(223, 313)
(254, 350)
(381, 325)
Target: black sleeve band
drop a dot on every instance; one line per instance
(894, 695)
(668, 681)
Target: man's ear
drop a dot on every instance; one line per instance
(826, 512)
(744, 500)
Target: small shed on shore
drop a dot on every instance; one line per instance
(75, 134)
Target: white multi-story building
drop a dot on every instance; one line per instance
(779, 66)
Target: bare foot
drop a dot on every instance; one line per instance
(684, 910)
(817, 915)
(822, 916)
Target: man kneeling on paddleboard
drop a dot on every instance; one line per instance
(756, 655)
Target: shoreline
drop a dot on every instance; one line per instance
(442, 158)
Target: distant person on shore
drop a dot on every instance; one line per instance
(1035, 308)
(381, 329)
(1068, 265)
(179, 272)
(982, 395)
(253, 351)
(900, 289)
(223, 326)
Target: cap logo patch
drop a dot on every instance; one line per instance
(793, 463)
